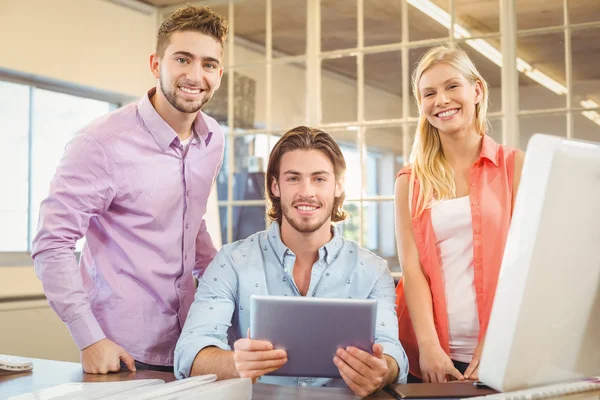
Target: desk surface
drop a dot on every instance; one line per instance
(48, 373)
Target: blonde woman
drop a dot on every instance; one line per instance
(453, 208)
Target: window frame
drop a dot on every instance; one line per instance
(33, 82)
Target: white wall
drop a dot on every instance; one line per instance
(32, 329)
(93, 43)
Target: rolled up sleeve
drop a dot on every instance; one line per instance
(210, 315)
(386, 331)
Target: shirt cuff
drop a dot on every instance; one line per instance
(85, 331)
(186, 354)
(396, 351)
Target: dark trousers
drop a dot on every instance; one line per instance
(140, 366)
(461, 366)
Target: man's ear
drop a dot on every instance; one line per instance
(275, 188)
(339, 187)
(155, 65)
(220, 78)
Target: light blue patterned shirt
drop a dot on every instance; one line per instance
(263, 265)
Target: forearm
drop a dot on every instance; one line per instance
(393, 370)
(420, 306)
(212, 360)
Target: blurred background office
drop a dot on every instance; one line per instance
(341, 65)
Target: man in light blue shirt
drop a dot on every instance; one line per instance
(301, 254)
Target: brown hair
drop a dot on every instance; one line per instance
(305, 138)
(192, 18)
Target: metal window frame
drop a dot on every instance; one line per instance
(33, 82)
(312, 59)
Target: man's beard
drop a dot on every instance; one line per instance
(306, 227)
(180, 104)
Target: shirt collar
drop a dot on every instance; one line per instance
(162, 133)
(329, 251)
(489, 150)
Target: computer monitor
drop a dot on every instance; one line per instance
(545, 322)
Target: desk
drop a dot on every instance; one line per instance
(48, 373)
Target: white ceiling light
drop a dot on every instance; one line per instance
(483, 47)
(591, 115)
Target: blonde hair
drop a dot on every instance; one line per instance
(428, 163)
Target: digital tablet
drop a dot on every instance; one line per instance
(312, 329)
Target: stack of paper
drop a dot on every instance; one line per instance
(198, 387)
(87, 390)
(193, 388)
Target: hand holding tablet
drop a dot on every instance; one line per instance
(255, 358)
(363, 372)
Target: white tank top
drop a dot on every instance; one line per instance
(453, 227)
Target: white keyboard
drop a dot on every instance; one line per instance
(590, 386)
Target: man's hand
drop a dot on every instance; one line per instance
(105, 356)
(363, 373)
(255, 358)
(436, 365)
(472, 371)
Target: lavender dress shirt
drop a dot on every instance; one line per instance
(127, 185)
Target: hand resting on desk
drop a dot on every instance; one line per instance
(105, 356)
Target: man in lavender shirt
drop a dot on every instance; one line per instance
(135, 183)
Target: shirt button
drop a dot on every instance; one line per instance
(479, 291)
(303, 383)
(477, 260)
(187, 225)
(473, 184)
(477, 231)
(475, 203)
(187, 192)
(185, 257)
(179, 285)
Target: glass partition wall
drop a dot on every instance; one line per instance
(345, 66)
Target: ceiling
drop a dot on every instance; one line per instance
(382, 25)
